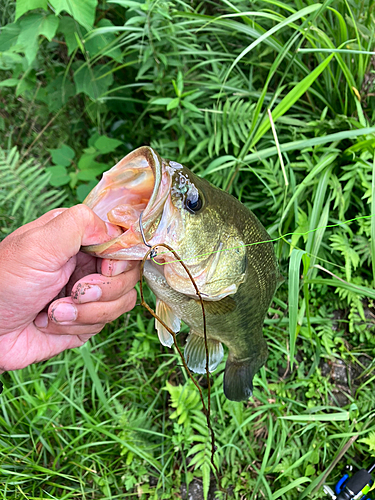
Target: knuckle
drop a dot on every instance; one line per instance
(131, 299)
(97, 328)
(80, 212)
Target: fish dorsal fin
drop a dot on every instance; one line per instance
(195, 353)
(220, 307)
(166, 314)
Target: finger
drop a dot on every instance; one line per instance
(45, 326)
(62, 237)
(64, 317)
(85, 266)
(111, 267)
(96, 287)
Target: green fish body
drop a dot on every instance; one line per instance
(219, 239)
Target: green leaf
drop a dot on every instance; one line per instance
(23, 6)
(336, 416)
(68, 27)
(62, 156)
(83, 11)
(180, 83)
(9, 82)
(23, 85)
(59, 176)
(294, 277)
(129, 4)
(87, 160)
(310, 470)
(290, 486)
(206, 472)
(103, 43)
(106, 144)
(57, 93)
(31, 27)
(49, 27)
(87, 163)
(9, 36)
(92, 171)
(293, 96)
(88, 175)
(162, 100)
(84, 189)
(92, 140)
(373, 219)
(91, 81)
(370, 441)
(267, 35)
(173, 104)
(97, 383)
(190, 106)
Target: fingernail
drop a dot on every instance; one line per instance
(41, 321)
(120, 266)
(85, 292)
(63, 312)
(115, 267)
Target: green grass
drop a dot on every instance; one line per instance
(119, 418)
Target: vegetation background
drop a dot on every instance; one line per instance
(82, 83)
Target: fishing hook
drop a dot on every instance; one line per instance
(153, 251)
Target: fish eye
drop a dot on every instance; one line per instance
(193, 203)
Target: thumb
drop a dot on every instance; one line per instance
(62, 237)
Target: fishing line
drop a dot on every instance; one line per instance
(265, 241)
(206, 409)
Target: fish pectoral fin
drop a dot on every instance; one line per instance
(166, 314)
(195, 353)
(238, 375)
(219, 307)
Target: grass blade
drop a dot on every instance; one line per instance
(291, 98)
(294, 285)
(373, 220)
(291, 486)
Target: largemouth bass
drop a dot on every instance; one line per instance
(215, 235)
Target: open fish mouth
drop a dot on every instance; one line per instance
(139, 184)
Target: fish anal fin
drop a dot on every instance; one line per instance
(195, 353)
(219, 307)
(166, 314)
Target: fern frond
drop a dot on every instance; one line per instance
(341, 243)
(188, 406)
(228, 124)
(24, 192)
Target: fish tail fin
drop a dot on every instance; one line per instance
(238, 378)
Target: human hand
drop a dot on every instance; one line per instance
(52, 296)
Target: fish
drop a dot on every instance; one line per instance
(224, 245)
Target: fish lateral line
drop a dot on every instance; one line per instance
(283, 236)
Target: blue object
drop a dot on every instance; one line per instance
(346, 493)
(340, 485)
